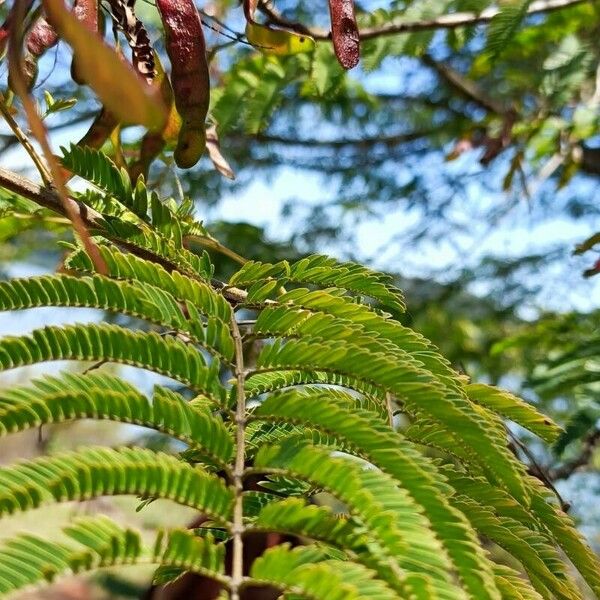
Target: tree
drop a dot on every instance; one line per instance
(291, 399)
(341, 402)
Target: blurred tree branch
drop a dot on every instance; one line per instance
(449, 21)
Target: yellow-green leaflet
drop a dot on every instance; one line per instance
(278, 41)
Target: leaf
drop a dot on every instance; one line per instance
(505, 24)
(53, 400)
(278, 41)
(96, 471)
(509, 406)
(215, 155)
(110, 343)
(96, 542)
(117, 85)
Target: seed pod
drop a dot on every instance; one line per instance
(40, 38)
(88, 13)
(153, 142)
(137, 37)
(100, 130)
(189, 75)
(344, 31)
(5, 27)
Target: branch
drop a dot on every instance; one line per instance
(450, 21)
(49, 198)
(389, 141)
(237, 530)
(465, 87)
(567, 469)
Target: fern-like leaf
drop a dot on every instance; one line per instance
(98, 396)
(95, 472)
(165, 355)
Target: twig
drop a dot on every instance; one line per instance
(390, 408)
(48, 198)
(465, 86)
(567, 469)
(22, 139)
(538, 470)
(212, 244)
(237, 530)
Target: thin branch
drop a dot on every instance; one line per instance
(464, 86)
(215, 245)
(566, 470)
(389, 141)
(537, 470)
(48, 198)
(389, 405)
(237, 530)
(21, 138)
(397, 26)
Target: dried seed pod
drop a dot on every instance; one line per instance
(189, 75)
(88, 13)
(137, 37)
(100, 130)
(40, 38)
(344, 31)
(153, 142)
(5, 27)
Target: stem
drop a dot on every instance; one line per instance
(237, 570)
(213, 244)
(24, 141)
(390, 409)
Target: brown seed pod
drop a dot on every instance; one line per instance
(40, 38)
(100, 130)
(189, 75)
(88, 13)
(344, 31)
(137, 37)
(154, 142)
(6, 26)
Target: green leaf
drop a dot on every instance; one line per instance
(95, 542)
(509, 406)
(323, 271)
(144, 301)
(98, 396)
(94, 472)
(304, 570)
(111, 343)
(388, 512)
(370, 438)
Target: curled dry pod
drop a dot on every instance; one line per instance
(125, 19)
(6, 26)
(344, 31)
(40, 38)
(189, 75)
(87, 12)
